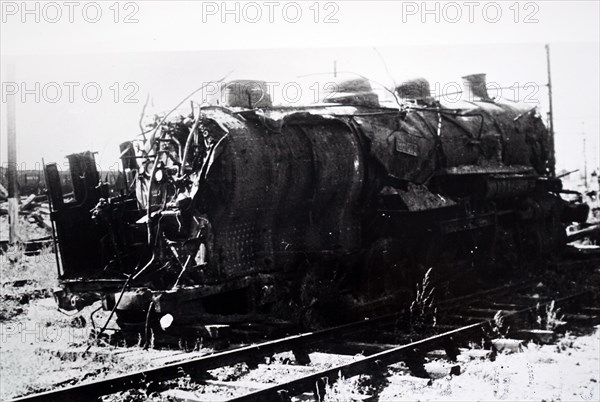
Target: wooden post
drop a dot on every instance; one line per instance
(552, 153)
(13, 190)
(585, 166)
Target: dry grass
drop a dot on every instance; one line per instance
(25, 230)
(550, 317)
(39, 350)
(38, 342)
(24, 278)
(500, 328)
(423, 313)
(16, 266)
(345, 389)
(30, 321)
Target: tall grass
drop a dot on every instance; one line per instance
(423, 313)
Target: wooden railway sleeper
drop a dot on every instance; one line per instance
(301, 356)
(451, 349)
(415, 361)
(283, 396)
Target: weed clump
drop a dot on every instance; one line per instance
(550, 317)
(423, 313)
(500, 328)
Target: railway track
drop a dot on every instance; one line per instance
(381, 341)
(373, 363)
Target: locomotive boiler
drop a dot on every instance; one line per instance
(247, 212)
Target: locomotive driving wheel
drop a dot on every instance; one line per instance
(387, 274)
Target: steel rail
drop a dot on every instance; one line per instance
(448, 303)
(375, 362)
(86, 391)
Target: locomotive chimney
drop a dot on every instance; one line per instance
(475, 88)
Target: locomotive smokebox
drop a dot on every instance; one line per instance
(475, 88)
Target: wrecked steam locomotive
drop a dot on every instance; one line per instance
(246, 212)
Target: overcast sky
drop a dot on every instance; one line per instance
(174, 47)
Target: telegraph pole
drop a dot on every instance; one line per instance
(585, 166)
(552, 157)
(13, 191)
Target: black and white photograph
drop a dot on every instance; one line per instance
(329, 201)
